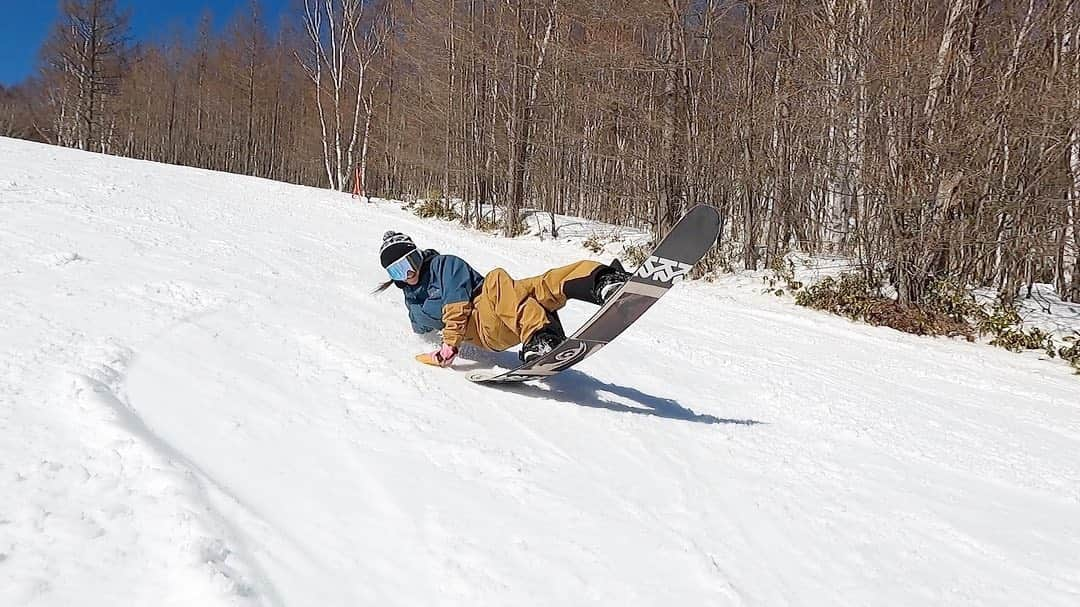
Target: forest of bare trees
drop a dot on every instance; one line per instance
(922, 138)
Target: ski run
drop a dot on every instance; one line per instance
(203, 403)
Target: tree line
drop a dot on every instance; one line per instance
(925, 139)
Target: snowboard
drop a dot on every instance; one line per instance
(685, 245)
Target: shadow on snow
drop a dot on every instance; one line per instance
(581, 389)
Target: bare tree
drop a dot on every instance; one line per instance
(343, 46)
(87, 49)
(925, 140)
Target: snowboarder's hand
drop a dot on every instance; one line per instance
(444, 355)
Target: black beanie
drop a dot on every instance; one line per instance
(395, 245)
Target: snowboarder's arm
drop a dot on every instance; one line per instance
(457, 285)
(417, 327)
(456, 318)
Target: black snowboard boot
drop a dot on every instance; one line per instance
(543, 340)
(598, 287)
(609, 281)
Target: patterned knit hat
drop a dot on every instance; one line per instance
(395, 245)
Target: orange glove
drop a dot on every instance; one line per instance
(439, 358)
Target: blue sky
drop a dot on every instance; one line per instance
(25, 23)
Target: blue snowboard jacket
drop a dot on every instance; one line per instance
(442, 300)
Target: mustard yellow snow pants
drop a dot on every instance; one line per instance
(508, 311)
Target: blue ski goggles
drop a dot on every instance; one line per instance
(399, 270)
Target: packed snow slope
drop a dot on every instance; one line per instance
(202, 403)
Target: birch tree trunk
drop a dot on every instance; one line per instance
(522, 149)
(1071, 44)
(450, 68)
(314, 68)
(750, 222)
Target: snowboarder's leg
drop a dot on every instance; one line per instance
(552, 288)
(505, 313)
(508, 312)
(544, 340)
(597, 286)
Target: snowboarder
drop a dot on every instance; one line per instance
(493, 312)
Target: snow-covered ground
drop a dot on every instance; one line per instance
(202, 403)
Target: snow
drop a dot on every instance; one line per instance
(1045, 310)
(202, 403)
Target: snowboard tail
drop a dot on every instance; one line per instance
(671, 261)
